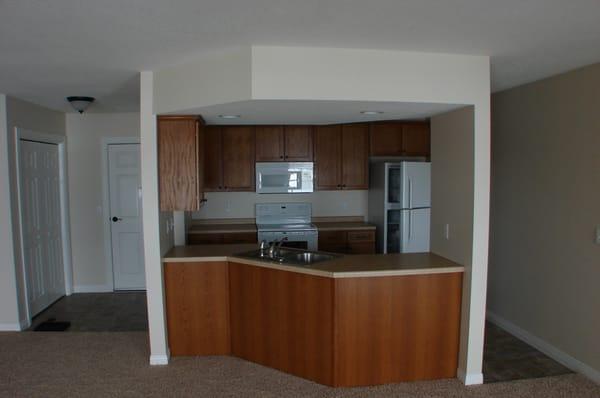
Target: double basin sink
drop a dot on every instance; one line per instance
(289, 256)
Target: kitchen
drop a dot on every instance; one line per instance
(287, 87)
(341, 174)
(212, 285)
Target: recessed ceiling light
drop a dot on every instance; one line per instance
(371, 112)
(229, 116)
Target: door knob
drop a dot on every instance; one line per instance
(115, 219)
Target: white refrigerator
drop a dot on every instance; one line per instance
(399, 205)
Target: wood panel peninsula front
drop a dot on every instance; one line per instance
(353, 321)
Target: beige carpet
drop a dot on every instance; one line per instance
(46, 364)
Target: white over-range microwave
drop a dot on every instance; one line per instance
(284, 177)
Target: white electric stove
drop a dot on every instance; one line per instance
(290, 222)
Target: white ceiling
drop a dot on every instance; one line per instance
(316, 112)
(52, 49)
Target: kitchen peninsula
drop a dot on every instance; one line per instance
(350, 321)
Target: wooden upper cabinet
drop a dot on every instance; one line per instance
(355, 156)
(328, 153)
(213, 163)
(269, 144)
(400, 139)
(178, 158)
(238, 158)
(386, 139)
(298, 144)
(416, 139)
(284, 143)
(342, 157)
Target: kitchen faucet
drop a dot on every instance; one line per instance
(275, 247)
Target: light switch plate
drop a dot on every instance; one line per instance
(598, 234)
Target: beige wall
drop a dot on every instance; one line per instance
(452, 195)
(452, 184)
(324, 204)
(544, 266)
(17, 113)
(91, 268)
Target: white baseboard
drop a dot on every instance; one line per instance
(469, 379)
(25, 323)
(545, 347)
(159, 359)
(10, 327)
(92, 289)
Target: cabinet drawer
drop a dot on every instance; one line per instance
(361, 236)
(240, 237)
(204, 239)
(361, 247)
(339, 248)
(332, 237)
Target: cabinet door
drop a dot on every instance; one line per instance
(205, 239)
(298, 144)
(240, 237)
(200, 142)
(355, 156)
(177, 158)
(197, 307)
(269, 144)
(328, 152)
(238, 158)
(213, 162)
(416, 139)
(361, 242)
(386, 139)
(333, 241)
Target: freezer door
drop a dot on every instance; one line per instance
(415, 231)
(416, 185)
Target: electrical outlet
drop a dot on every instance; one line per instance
(447, 231)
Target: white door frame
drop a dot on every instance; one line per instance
(106, 141)
(65, 224)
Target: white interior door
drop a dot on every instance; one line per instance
(416, 184)
(41, 224)
(125, 216)
(415, 230)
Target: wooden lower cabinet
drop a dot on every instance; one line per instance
(347, 242)
(395, 329)
(340, 332)
(283, 320)
(220, 238)
(197, 304)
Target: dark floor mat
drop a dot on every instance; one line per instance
(52, 326)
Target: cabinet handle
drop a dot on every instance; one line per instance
(281, 157)
(220, 187)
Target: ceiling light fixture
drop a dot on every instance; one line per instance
(79, 103)
(371, 112)
(229, 116)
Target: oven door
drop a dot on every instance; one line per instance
(279, 177)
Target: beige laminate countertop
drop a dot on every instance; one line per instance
(235, 228)
(349, 266)
(343, 225)
(221, 228)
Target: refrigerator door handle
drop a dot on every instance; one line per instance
(410, 224)
(409, 193)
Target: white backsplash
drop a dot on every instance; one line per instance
(324, 203)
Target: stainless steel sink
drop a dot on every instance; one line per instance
(290, 256)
